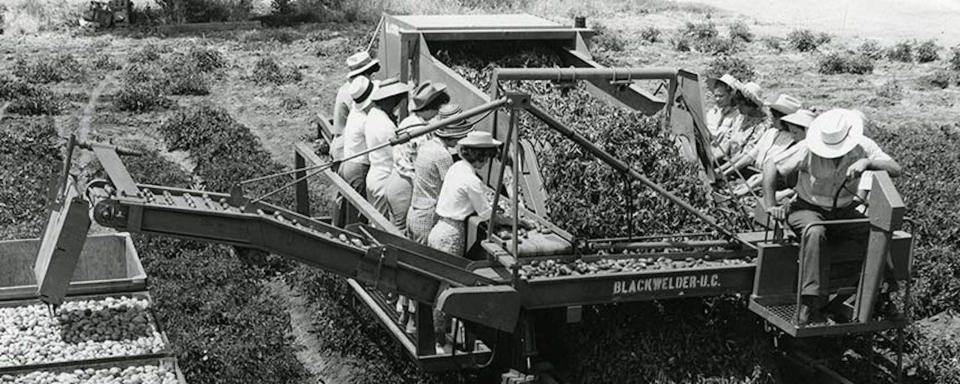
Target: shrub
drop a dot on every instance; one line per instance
(739, 30)
(845, 62)
(935, 343)
(805, 40)
(148, 53)
(207, 59)
(607, 39)
(28, 99)
(955, 58)
(902, 51)
(185, 76)
(201, 11)
(31, 158)
(48, 69)
(734, 65)
(941, 78)
(890, 91)
(871, 49)
(703, 37)
(650, 34)
(773, 43)
(106, 62)
(266, 70)
(142, 97)
(928, 51)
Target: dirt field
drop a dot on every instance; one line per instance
(318, 52)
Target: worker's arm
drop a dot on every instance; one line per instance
(770, 175)
(737, 164)
(891, 166)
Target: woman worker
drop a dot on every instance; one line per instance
(725, 116)
(774, 141)
(379, 128)
(425, 102)
(430, 166)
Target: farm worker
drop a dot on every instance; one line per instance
(783, 105)
(430, 167)
(359, 64)
(753, 122)
(425, 102)
(354, 171)
(379, 128)
(829, 161)
(774, 141)
(725, 116)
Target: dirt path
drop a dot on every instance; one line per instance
(885, 20)
(323, 367)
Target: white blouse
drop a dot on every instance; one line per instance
(463, 193)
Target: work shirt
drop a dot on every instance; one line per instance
(742, 138)
(463, 193)
(354, 137)
(342, 105)
(819, 179)
(379, 129)
(404, 154)
(430, 166)
(772, 143)
(721, 122)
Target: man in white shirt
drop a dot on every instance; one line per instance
(828, 165)
(360, 64)
(379, 128)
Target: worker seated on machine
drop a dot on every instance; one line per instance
(828, 165)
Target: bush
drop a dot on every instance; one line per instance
(185, 76)
(804, 40)
(941, 78)
(106, 62)
(48, 69)
(267, 70)
(207, 59)
(734, 65)
(871, 49)
(202, 11)
(292, 103)
(845, 62)
(740, 31)
(607, 40)
(650, 34)
(703, 37)
(888, 94)
(28, 99)
(773, 43)
(143, 88)
(902, 51)
(31, 158)
(935, 343)
(148, 53)
(928, 51)
(955, 58)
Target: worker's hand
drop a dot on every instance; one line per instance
(778, 212)
(856, 169)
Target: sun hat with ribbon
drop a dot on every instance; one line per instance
(456, 130)
(751, 91)
(425, 93)
(835, 133)
(801, 118)
(361, 88)
(360, 62)
(479, 139)
(784, 104)
(389, 88)
(726, 79)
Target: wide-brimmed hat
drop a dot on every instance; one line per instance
(835, 133)
(425, 93)
(389, 88)
(479, 139)
(751, 91)
(784, 104)
(360, 62)
(800, 118)
(361, 88)
(456, 130)
(727, 80)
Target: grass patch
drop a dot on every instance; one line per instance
(942, 78)
(871, 49)
(805, 40)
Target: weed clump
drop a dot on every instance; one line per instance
(48, 69)
(889, 93)
(292, 103)
(928, 51)
(740, 31)
(871, 49)
(941, 78)
(902, 51)
(845, 62)
(143, 88)
(207, 59)
(650, 34)
(267, 70)
(185, 76)
(106, 62)
(27, 98)
(607, 40)
(734, 65)
(703, 37)
(773, 43)
(805, 40)
(148, 53)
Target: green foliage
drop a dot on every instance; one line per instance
(902, 51)
(734, 65)
(935, 343)
(942, 78)
(292, 103)
(955, 58)
(207, 59)
(703, 37)
(143, 88)
(773, 43)
(805, 40)
(31, 159)
(650, 34)
(607, 40)
(148, 53)
(871, 49)
(106, 62)
(48, 69)
(28, 99)
(267, 70)
(185, 75)
(845, 62)
(740, 31)
(928, 51)
(202, 11)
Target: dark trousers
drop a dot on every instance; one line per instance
(816, 263)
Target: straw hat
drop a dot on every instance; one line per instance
(751, 91)
(425, 93)
(727, 80)
(784, 104)
(800, 118)
(456, 130)
(360, 90)
(360, 62)
(835, 133)
(479, 139)
(389, 88)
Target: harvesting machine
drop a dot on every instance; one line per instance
(502, 311)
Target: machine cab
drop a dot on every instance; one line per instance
(857, 269)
